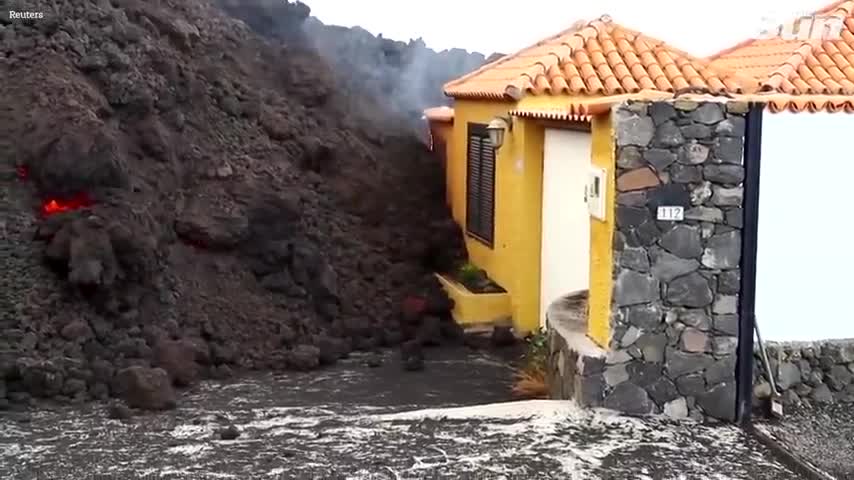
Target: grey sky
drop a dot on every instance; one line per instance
(506, 26)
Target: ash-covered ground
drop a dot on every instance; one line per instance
(821, 436)
(355, 422)
(182, 198)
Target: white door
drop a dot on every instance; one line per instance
(565, 262)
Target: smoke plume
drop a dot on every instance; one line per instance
(401, 78)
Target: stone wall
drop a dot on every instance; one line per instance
(674, 316)
(807, 373)
(576, 365)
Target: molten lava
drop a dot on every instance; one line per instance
(54, 206)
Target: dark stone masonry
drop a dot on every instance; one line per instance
(807, 373)
(674, 313)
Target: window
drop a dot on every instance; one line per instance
(480, 185)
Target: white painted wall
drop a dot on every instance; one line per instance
(566, 222)
(805, 262)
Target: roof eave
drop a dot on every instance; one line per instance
(481, 95)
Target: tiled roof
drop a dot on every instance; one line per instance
(439, 114)
(597, 58)
(815, 74)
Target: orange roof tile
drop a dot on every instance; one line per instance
(439, 114)
(808, 71)
(571, 112)
(597, 58)
(584, 109)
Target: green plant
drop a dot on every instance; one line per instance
(538, 349)
(468, 273)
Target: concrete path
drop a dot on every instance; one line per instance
(353, 422)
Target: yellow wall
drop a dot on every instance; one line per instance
(465, 112)
(514, 259)
(527, 213)
(602, 236)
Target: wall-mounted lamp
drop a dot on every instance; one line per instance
(496, 129)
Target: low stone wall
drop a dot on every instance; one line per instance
(807, 373)
(576, 367)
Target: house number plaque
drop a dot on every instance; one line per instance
(671, 214)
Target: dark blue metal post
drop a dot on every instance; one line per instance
(750, 228)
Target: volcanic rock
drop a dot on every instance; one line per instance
(412, 356)
(304, 357)
(77, 330)
(430, 331)
(119, 411)
(202, 195)
(146, 388)
(229, 433)
(503, 336)
(452, 331)
(331, 349)
(373, 361)
(41, 378)
(178, 359)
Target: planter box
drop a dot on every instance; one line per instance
(476, 308)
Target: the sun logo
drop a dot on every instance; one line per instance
(804, 27)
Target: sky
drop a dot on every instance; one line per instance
(803, 285)
(507, 26)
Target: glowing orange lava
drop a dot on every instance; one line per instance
(54, 206)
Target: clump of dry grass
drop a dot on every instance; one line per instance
(530, 385)
(530, 380)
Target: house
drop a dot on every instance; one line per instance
(531, 164)
(806, 77)
(605, 161)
